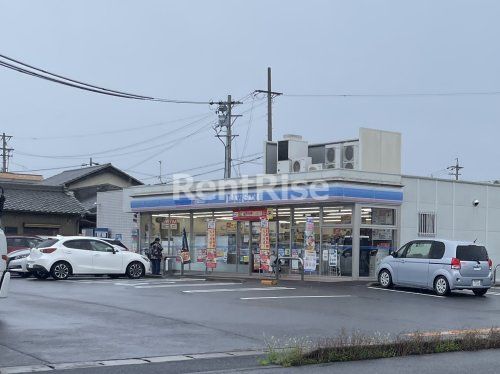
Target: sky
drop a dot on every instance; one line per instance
(206, 50)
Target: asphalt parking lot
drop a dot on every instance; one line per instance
(89, 320)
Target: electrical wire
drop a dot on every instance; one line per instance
(109, 132)
(400, 94)
(56, 78)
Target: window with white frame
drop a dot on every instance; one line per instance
(427, 224)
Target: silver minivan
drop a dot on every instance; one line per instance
(440, 265)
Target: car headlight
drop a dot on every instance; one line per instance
(145, 258)
(19, 257)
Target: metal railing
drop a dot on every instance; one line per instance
(495, 274)
(277, 266)
(166, 258)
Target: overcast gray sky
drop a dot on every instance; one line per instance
(205, 50)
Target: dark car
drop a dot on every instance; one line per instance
(15, 243)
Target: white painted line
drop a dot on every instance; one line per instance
(296, 297)
(245, 353)
(188, 285)
(409, 292)
(240, 289)
(493, 293)
(76, 365)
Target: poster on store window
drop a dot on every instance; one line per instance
(265, 246)
(309, 246)
(211, 259)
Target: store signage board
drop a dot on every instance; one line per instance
(252, 214)
(277, 196)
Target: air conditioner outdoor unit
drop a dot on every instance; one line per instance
(301, 165)
(315, 167)
(292, 149)
(284, 167)
(350, 155)
(333, 156)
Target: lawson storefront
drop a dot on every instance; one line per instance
(343, 228)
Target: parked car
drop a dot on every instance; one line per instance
(4, 273)
(15, 243)
(64, 256)
(17, 262)
(440, 265)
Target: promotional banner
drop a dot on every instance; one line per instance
(265, 246)
(309, 246)
(185, 255)
(211, 259)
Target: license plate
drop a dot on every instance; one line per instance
(476, 283)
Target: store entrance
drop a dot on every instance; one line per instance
(336, 251)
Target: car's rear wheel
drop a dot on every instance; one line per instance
(60, 270)
(40, 274)
(135, 270)
(480, 291)
(385, 278)
(441, 286)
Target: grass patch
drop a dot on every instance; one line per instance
(359, 346)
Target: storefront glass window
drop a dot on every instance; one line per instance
(337, 215)
(300, 216)
(225, 228)
(378, 216)
(199, 242)
(336, 251)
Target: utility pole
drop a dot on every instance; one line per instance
(455, 169)
(225, 130)
(159, 177)
(270, 95)
(5, 152)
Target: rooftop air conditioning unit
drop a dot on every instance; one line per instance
(284, 167)
(350, 155)
(315, 167)
(333, 156)
(301, 165)
(292, 149)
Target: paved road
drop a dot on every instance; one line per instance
(92, 319)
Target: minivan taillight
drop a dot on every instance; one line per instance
(455, 264)
(490, 263)
(47, 250)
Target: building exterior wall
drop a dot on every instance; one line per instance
(456, 216)
(61, 224)
(99, 179)
(380, 151)
(110, 215)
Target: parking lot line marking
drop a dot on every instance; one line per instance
(296, 297)
(409, 292)
(188, 285)
(240, 289)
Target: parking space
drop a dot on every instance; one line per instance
(96, 318)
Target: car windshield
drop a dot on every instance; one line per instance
(472, 253)
(47, 243)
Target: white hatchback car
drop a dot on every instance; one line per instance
(4, 273)
(61, 257)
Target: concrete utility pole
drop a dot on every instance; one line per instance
(455, 169)
(270, 94)
(225, 130)
(5, 152)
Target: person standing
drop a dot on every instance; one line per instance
(155, 251)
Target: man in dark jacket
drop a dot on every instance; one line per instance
(155, 251)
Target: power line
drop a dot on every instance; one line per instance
(400, 94)
(156, 137)
(60, 79)
(109, 132)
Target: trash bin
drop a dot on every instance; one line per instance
(169, 266)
